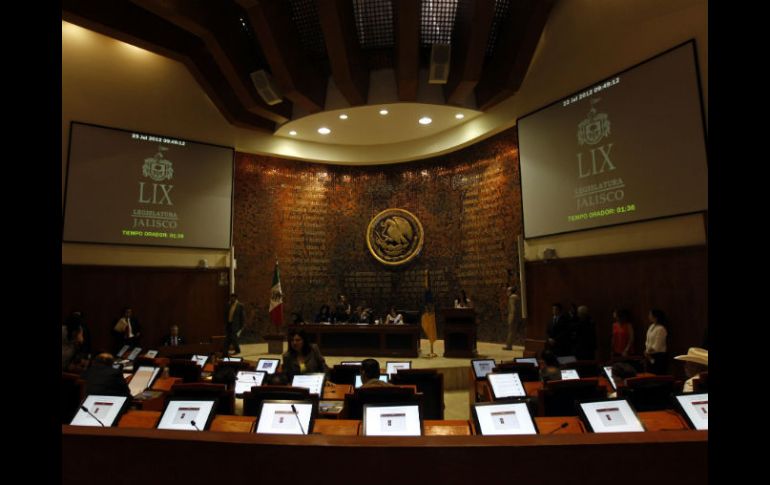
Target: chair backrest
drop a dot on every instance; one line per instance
(527, 372)
(649, 393)
(354, 403)
(226, 397)
(701, 383)
(188, 370)
(73, 390)
(559, 398)
(584, 368)
(252, 400)
(344, 374)
(431, 384)
(144, 361)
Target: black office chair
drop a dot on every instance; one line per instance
(559, 398)
(196, 390)
(344, 374)
(188, 370)
(649, 393)
(252, 400)
(354, 403)
(527, 372)
(430, 383)
(701, 383)
(584, 368)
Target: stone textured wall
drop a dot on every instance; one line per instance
(313, 218)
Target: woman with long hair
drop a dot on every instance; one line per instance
(655, 349)
(302, 356)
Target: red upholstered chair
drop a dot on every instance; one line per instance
(225, 398)
(430, 383)
(650, 393)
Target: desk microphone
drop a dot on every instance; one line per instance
(298, 420)
(89, 413)
(561, 426)
(193, 423)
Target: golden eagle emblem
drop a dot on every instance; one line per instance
(394, 237)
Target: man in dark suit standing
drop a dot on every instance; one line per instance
(102, 379)
(127, 330)
(234, 321)
(560, 332)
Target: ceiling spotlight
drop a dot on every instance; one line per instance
(459, 116)
(343, 116)
(383, 112)
(293, 133)
(425, 120)
(324, 130)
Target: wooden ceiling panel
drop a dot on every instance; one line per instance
(407, 20)
(469, 44)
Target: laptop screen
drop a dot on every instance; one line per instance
(392, 420)
(268, 365)
(392, 367)
(506, 385)
(187, 414)
(503, 419)
(245, 380)
(314, 382)
(568, 374)
(358, 383)
(143, 379)
(611, 416)
(696, 409)
(200, 359)
(285, 417)
(106, 409)
(482, 367)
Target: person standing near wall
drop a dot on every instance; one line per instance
(234, 321)
(514, 330)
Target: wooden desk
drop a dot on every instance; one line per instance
(364, 340)
(446, 427)
(232, 424)
(189, 349)
(139, 419)
(337, 427)
(459, 332)
(336, 392)
(165, 384)
(547, 425)
(666, 420)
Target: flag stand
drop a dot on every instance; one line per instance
(431, 355)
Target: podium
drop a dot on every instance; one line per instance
(459, 332)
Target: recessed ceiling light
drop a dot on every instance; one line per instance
(459, 116)
(425, 120)
(293, 133)
(383, 112)
(343, 116)
(324, 130)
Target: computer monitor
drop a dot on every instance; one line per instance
(232, 359)
(608, 372)
(104, 410)
(392, 420)
(568, 374)
(695, 408)
(268, 365)
(286, 417)
(122, 351)
(187, 414)
(350, 362)
(566, 359)
(392, 367)
(134, 354)
(151, 354)
(200, 360)
(482, 367)
(358, 382)
(314, 382)
(503, 419)
(527, 360)
(245, 380)
(143, 379)
(506, 385)
(609, 416)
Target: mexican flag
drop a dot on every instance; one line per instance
(276, 299)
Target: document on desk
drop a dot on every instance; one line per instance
(506, 385)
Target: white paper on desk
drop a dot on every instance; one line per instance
(506, 385)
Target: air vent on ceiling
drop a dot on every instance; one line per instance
(439, 63)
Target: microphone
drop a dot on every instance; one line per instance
(297, 416)
(89, 413)
(193, 423)
(561, 426)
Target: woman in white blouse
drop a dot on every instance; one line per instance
(655, 350)
(394, 318)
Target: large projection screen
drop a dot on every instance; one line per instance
(625, 149)
(135, 188)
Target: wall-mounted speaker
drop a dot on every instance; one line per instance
(266, 87)
(440, 54)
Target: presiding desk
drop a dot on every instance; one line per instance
(364, 340)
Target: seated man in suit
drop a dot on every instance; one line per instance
(173, 339)
(101, 378)
(370, 374)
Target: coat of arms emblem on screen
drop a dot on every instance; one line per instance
(157, 167)
(595, 127)
(394, 237)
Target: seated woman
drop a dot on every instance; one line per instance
(324, 314)
(302, 357)
(394, 318)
